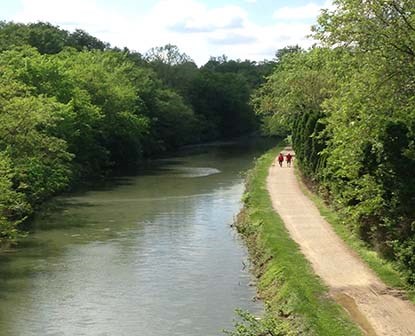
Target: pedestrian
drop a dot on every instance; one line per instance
(280, 159)
(288, 158)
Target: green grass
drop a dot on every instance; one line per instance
(285, 278)
(385, 269)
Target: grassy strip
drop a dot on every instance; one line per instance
(286, 281)
(385, 269)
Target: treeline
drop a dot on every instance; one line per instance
(349, 107)
(72, 107)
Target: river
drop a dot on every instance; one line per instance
(150, 255)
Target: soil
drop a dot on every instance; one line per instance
(377, 309)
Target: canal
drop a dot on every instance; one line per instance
(152, 254)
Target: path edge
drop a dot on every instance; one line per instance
(285, 279)
(382, 268)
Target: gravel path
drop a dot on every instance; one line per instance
(376, 308)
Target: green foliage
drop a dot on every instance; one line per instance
(385, 269)
(168, 55)
(104, 77)
(218, 93)
(222, 99)
(40, 161)
(81, 40)
(46, 38)
(13, 205)
(406, 255)
(296, 300)
(253, 72)
(176, 69)
(73, 108)
(350, 109)
(298, 85)
(249, 325)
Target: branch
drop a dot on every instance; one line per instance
(402, 14)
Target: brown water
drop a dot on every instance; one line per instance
(149, 255)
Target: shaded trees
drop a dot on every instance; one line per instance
(222, 100)
(46, 38)
(71, 107)
(363, 118)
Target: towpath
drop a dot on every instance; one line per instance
(375, 307)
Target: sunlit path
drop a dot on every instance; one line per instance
(356, 287)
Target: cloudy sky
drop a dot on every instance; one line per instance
(245, 29)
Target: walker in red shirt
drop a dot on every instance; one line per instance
(288, 158)
(280, 159)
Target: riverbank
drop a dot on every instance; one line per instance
(25, 226)
(286, 283)
(145, 247)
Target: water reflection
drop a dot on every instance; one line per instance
(151, 254)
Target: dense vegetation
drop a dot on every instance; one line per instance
(72, 107)
(349, 106)
(296, 300)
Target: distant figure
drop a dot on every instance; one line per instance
(288, 158)
(280, 159)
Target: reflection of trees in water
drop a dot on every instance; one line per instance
(124, 222)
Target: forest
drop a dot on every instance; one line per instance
(348, 107)
(73, 108)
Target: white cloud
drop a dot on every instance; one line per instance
(308, 11)
(193, 16)
(75, 12)
(197, 30)
(233, 39)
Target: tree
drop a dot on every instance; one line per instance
(281, 53)
(81, 40)
(45, 37)
(176, 69)
(72, 108)
(168, 54)
(371, 121)
(222, 99)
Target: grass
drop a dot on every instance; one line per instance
(286, 282)
(385, 269)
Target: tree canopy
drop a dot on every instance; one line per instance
(349, 106)
(72, 107)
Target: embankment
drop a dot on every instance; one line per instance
(285, 280)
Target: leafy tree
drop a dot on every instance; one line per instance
(41, 162)
(176, 69)
(71, 107)
(291, 101)
(281, 53)
(349, 105)
(222, 99)
(168, 54)
(45, 37)
(81, 40)
(13, 205)
(104, 76)
(254, 72)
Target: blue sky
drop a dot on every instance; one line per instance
(245, 29)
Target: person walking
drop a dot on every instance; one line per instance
(288, 158)
(280, 159)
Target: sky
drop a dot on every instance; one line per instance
(245, 29)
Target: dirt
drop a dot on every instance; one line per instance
(370, 303)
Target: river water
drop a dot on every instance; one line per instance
(148, 255)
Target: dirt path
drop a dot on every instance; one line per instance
(370, 303)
